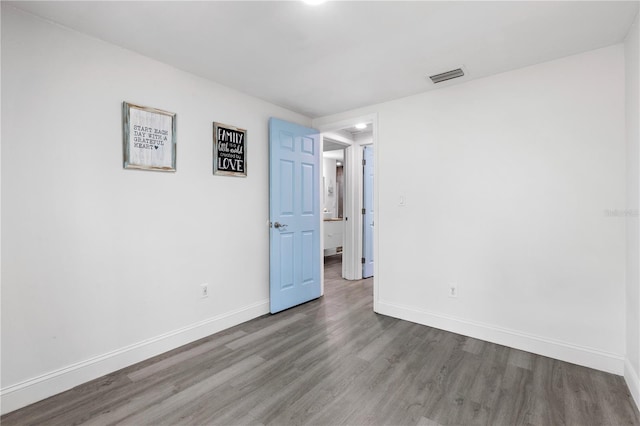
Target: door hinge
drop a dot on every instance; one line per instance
(364, 162)
(363, 260)
(364, 211)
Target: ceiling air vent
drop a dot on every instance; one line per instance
(439, 78)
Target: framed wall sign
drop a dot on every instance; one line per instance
(149, 138)
(229, 150)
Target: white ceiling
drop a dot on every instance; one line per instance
(330, 145)
(320, 60)
(334, 154)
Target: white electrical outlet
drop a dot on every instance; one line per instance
(204, 290)
(453, 290)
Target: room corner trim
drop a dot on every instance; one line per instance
(633, 381)
(37, 388)
(575, 354)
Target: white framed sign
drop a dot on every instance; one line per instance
(149, 138)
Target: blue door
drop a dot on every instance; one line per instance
(294, 213)
(367, 222)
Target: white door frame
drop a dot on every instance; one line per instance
(352, 263)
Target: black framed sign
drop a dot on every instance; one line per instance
(229, 150)
(149, 138)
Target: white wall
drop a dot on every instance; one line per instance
(507, 180)
(632, 366)
(102, 266)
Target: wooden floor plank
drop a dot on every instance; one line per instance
(265, 332)
(183, 356)
(334, 361)
(159, 412)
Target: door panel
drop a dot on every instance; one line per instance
(286, 244)
(294, 212)
(307, 257)
(309, 196)
(286, 187)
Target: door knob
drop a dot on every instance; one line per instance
(279, 225)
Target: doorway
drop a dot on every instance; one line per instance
(351, 135)
(333, 200)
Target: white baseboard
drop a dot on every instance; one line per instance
(633, 381)
(41, 387)
(588, 357)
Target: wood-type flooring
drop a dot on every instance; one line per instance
(334, 361)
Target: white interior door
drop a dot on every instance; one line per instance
(368, 213)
